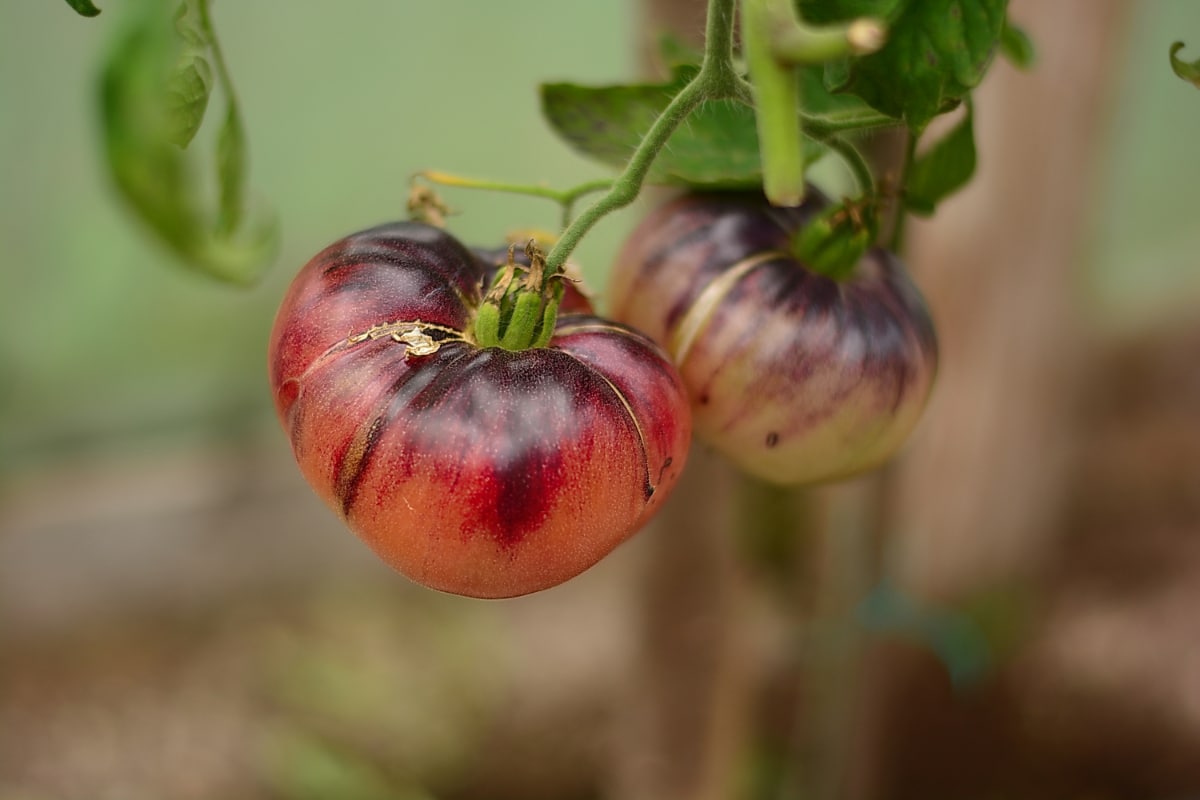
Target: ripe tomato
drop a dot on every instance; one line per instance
(794, 376)
(479, 471)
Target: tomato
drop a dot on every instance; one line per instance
(795, 376)
(474, 470)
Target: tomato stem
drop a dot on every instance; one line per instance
(566, 198)
(717, 79)
(520, 314)
(777, 101)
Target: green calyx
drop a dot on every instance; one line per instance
(833, 242)
(521, 308)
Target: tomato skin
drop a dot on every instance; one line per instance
(794, 376)
(476, 471)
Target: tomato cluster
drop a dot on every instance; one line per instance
(495, 471)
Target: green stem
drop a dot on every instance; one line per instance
(564, 197)
(901, 216)
(716, 79)
(855, 161)
(777, 103)
(794, 42)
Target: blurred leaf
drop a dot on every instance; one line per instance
(943, 170)
(717, 147)
(150, 107)
(937, 52)
(190, 83)
(1016, 45)
(84, 7)
(188, 92)
(1189, 71)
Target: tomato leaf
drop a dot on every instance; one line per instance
(1016, 45)
(144, 120)
(84, 8)
(191, 81)
(187, 97)
(1189, 71)
(717, 147)
(943, 170)
(937, 51)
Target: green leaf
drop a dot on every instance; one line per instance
(1016, 45)
(937, 52)
(1189, 71)
(84, 8)
(943, 170)
(187, 96)
(717, 147)
(141, 118)
(191, 82)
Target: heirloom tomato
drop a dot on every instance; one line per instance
(481, 471)
(795, 376)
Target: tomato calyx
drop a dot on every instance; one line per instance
(832, 243)
(520, 309)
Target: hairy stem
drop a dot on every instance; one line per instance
(716, 79)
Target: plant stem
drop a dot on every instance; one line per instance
(716, 79)
(564, 197)
(777, 103)
(793, 42)
(854, 161)
(910, 155)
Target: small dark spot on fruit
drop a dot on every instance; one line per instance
(931, 58)
(702, 400)
(772, 439)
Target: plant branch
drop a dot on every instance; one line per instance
(901, 215)
(716, 79)
(854, 160)
(777, 103)
(793, 42)
(566, 198)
